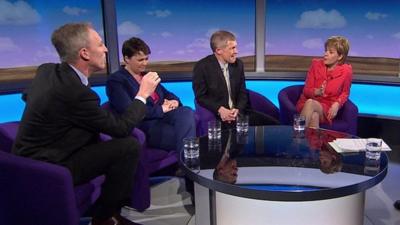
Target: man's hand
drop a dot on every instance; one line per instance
(148, 84)
(235, 112)
(333, 111)
(227, 115)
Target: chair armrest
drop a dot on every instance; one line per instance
(204, 116)
(139, 135)
(262, 104)
(287, 108)
(32, 190)
(349, 113)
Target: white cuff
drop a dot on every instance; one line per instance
(140, 98)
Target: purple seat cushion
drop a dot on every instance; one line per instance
(159, 159)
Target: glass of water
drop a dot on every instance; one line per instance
(299, 122)
(214, 129)
(191, 147)
(373, 148)
(242, 123)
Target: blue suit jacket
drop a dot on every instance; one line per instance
(121, 89)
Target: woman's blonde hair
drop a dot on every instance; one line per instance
(341, 44)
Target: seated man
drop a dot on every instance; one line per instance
(62, 121)
(219, 83)
(166, 122)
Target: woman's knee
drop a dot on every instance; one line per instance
(310, 103)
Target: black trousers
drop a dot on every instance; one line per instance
(117, 159)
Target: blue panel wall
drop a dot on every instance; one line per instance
(370, 99)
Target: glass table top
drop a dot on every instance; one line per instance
(271, 159)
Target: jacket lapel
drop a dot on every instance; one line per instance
(220, 75)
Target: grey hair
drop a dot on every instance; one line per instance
(219, 39)
(69, 39)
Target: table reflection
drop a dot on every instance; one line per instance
(278, 147)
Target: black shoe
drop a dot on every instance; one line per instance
(117, 219)
(397, 204)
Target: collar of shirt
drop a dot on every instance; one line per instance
(223, 65)
(81, 76)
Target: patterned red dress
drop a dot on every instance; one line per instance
(338, 83)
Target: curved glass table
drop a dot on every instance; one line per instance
(274, 175)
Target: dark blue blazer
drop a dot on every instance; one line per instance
(121, 89)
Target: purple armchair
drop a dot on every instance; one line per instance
(257, 102)
(345, 121)
(37, 192)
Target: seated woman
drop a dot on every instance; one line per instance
(166, 122)
(327, 86)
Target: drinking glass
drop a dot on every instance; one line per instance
(214, 129)
(299, 122)
(373, 148)
(191, 147)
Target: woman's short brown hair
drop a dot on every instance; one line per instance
(341, 44)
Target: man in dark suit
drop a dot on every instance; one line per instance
(62, 121)
(219, 83)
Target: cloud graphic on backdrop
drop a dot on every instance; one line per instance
(159, 13)
(199, 43)
(396, 35)
(166, 34)
(314, 43)
(17, 13)
(375, 16)
(321, 19)
(129, 28)
(74, 11)
(8, 45)
(46, 52)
